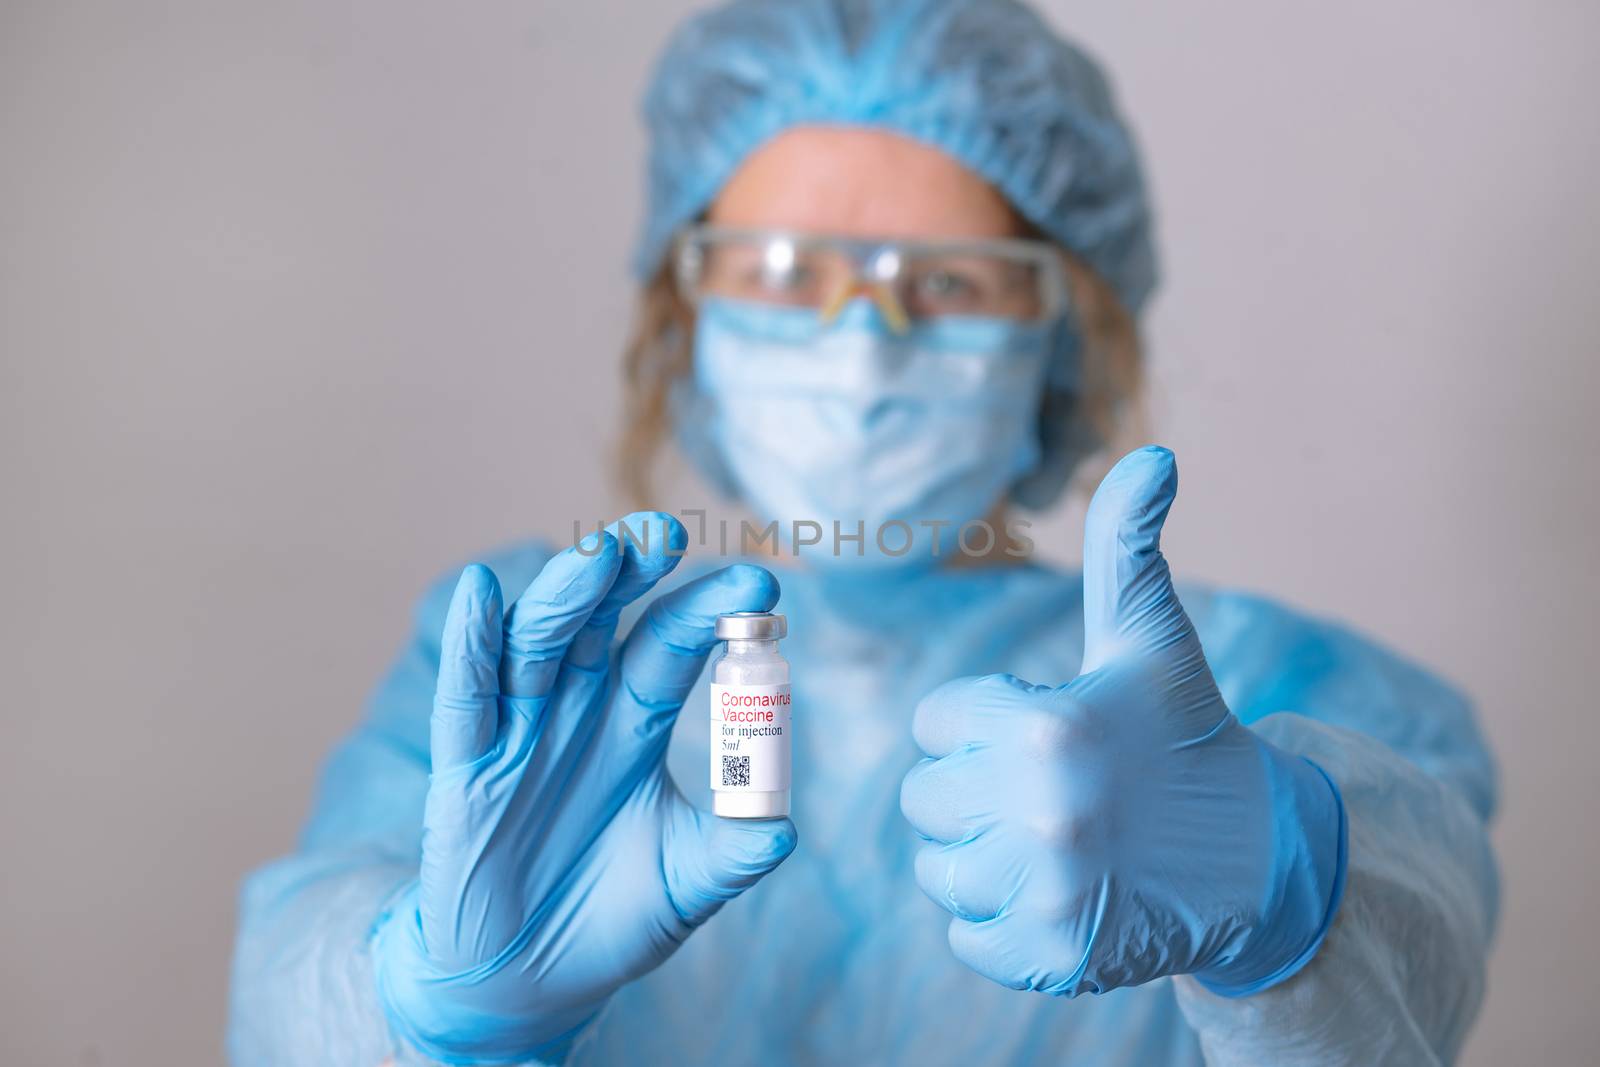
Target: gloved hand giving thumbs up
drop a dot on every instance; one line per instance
(559, 859)
(1124, 826)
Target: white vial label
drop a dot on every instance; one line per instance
(750, 737)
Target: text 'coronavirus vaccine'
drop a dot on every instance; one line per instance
(750, 723)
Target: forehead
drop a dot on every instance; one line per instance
(860, 183)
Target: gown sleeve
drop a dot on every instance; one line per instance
(1401, 974)
(302, 987)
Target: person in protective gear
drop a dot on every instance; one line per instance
(893, 258)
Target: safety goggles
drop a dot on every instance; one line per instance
(909, 281)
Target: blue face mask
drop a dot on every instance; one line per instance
(851, 423)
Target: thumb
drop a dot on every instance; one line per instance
(712, 860)
(1129, 604)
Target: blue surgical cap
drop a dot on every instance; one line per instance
(985, 81)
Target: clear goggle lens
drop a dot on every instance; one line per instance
(909, 281)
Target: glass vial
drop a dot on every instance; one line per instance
(750, 751)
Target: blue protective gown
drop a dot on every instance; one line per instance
(836, 957)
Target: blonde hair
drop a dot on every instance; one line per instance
(1104, 411)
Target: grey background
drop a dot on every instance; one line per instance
(302, 302)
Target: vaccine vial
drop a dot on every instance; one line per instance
(750, 735)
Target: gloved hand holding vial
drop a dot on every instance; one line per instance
(559, 858)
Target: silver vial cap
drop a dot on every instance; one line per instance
(751, 626)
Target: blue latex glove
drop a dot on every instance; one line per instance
(559, 860)
(1124, 826)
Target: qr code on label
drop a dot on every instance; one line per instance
(735, 770)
